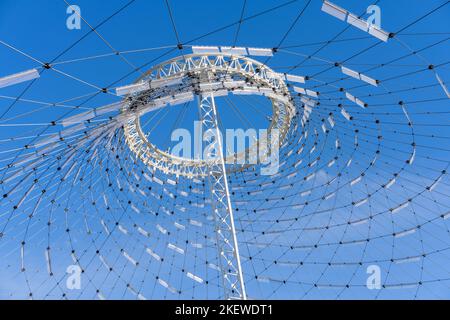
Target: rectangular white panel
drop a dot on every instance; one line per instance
(132, 88)
(260, 52)
(360, 103)
(355, 181)
(331, 121)
(143, 232)
(369, 80)
(345, 114)
(356, 22)
(122, 229)
(434, 184)
(49, 261)
(104, 226)
(194, 277)
(405, 233)
(334, 10)
(183, 193)
(161, 229)
(350, 72)
(175, 248)
(179, 226)
(240, 51)
(294, 78)
(129, 258)
(195, 223)
(390, 183)
(312, 93)
(204, 49)
(378, 33)
(442, 85)
(158, 181)
(213, 266)
(400, 207)
(361, 202)
(153, 254)
(299, 90)
(350, 97)
(18, 78)
(408, 260)
(413, 156)
(329, 196)
(349, 162)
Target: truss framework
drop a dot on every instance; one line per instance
(179, 79)
(227, 243)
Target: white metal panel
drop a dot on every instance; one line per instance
(442, 85)
(294, 78)
(194, 277)
(312, 93)
(358, 23)
(240, 51)
(345, 114)
(299, 90)
(18, 78)
(260, 52)
(350, 72)
(334, 10)
(378, 33)
(350, 97)
(205, 49)
(369, 80)
(360, 103)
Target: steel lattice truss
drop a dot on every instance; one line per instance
(363, 178)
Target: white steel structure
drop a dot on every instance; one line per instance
(208, 75)
(227, 242)
(178, 80)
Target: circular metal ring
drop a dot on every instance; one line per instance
(178, 80)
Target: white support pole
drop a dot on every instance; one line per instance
(227, 243)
